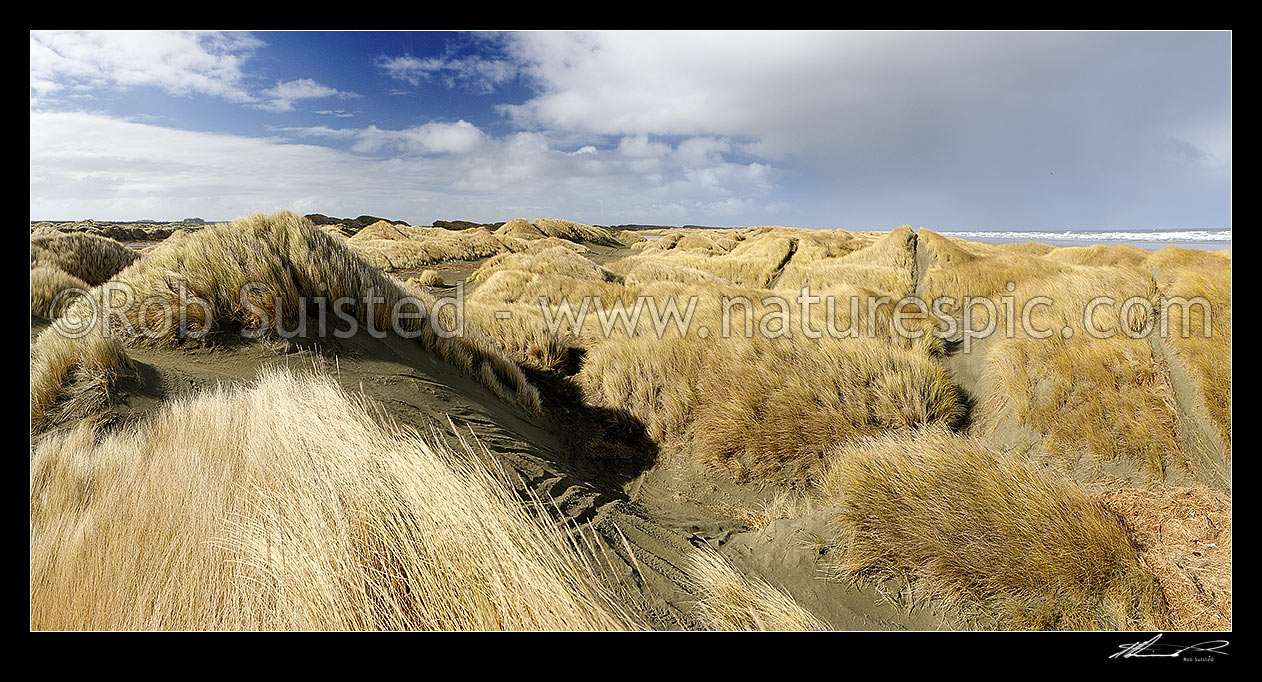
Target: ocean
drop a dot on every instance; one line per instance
(1149, 239)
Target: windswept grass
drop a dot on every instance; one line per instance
(289, 505)
(401, 247)
(885, 265)
(768, 413)
(1093, 401)
(88, 257)
(553, 261)
(643, 271)
(72, 378)
(1100, 254)
(1184, 539)
(276, 260)
(47, 286)
(629, 237)
(1199, 329)
(987, 533)
(764, 410)
(729, 600)
(428, 278)
(576, 232)
(752, 262)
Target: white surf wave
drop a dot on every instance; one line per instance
(1156, 236)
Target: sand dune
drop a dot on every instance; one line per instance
(671, 478)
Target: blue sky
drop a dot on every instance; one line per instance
(863, 130)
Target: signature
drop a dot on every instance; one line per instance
(1152, 649)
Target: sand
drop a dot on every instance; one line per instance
(647, 513)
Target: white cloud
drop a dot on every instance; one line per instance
(177, 62)
(477, 74)
(950, 129)
(435, 137)
(283, 95)
(90, 165)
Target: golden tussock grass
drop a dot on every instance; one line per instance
(701, 243)
(629, 237)
(986, 533)
(518, 292)
(818, 244)
(401, 247)
(644, 270)
(535, 245)
(728, 600)
(551, 261)
(1099, 254)
(288, 504)
(754, 262)
(663, 242)
(47, 284)
(383, 229)
(768, 413)
(524, 335)
(72, 378)
(88, 257)
(576, 232)
(276, 259)
(765, 410)
(1171, 258)
(884, 265)
(1103, 406)
(519, 228)
(1184, 538)
(427, 278)
(1091, 400)
(1207, 357)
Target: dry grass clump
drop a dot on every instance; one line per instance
(524, 335)
(769, 412)
(629, 237)
(754, 262)
(1206, 358)
(818, 244)
(701, 243)
(985, 277)
(519, 228)
(1172, 258)
(383, 229)
(644, 270)
(402, 247)
(728, 600)
(1091, 401)
(283, 256)
(1103, 406)
(765, 410)
(72, 378)
(276, 260)
(535, 245)
(576, 232)
(427, 278)
(91, 258)
(1184, 538)
(552, 261)
(987, 532)
(664, 242)
(47, 284)
(885, 265)
(289, 505)
(1099, 254)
